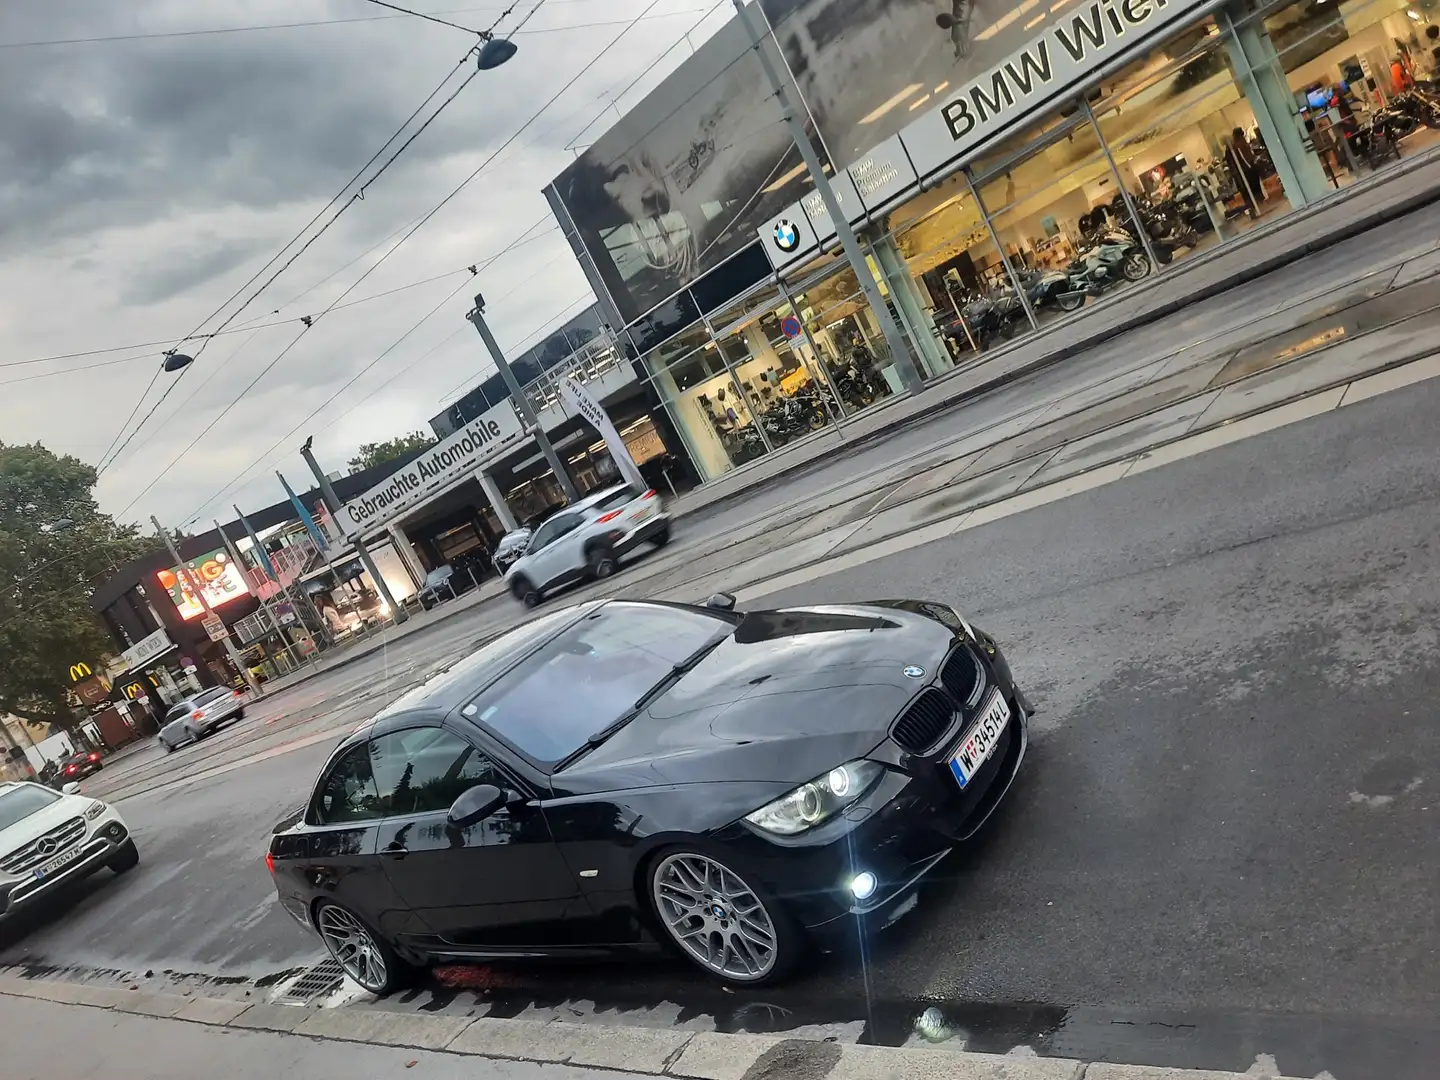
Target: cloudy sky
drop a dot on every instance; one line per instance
(144, 180)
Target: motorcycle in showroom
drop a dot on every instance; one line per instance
(1114, 257)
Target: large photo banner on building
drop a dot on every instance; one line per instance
(686, 177)
(870, 69)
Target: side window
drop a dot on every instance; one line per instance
(545, 534)
(347, 791)
(425, 769)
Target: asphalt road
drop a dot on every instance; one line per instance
(1223, 843)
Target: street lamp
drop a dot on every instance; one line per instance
(495, 52)
(174, 361)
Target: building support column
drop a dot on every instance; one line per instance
(497, 500)
(408, 556)
(934, 358)
(1253, 57)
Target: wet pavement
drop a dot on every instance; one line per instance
(1221, 848)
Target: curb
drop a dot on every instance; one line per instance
(1348, 230)
(686, 1055)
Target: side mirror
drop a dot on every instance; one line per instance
(72, 788)
(475, 805)
(721, 601)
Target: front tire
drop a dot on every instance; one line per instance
(365, 956)
(728, 927)
(525, 592)
(127, 858)
(1136, 266)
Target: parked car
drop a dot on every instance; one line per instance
(78, 766)
(623, 774)
(48, 838)
(438, 587)
(586, 540)
(193, 719)
(512, 545)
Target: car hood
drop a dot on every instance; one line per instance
(790, 694)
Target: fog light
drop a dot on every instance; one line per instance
(862, 885)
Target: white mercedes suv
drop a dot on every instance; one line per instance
(48, 838)
(586, 540)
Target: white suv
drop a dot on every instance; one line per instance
(48, 838)
(586, 540)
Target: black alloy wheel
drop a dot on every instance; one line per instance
(525, 592)
(364, 955)
(1070, 301)
(728, 927)
(600, 561)
(127, 858)
(1135, 266)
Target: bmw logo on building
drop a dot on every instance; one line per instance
(787, 236)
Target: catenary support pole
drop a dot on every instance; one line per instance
(894, 335)
(522, 404)
(398, 613)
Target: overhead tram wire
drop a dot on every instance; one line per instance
(423, 15)
(492, 156)
(251, 324)
(222, 30)
(112, 453)
(384, 353)
(456, 191)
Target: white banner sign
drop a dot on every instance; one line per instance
(1035, 75)
(583, 402)
(145, 650)
(458, 455)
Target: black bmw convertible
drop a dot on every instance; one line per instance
(621, 774)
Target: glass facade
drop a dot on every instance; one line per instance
(1224, 126)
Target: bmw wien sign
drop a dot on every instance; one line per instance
(787, 236)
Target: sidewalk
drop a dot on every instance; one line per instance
(1379, 198)
(51, 1030)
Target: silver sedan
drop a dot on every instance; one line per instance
(191, 720)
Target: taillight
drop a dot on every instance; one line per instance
(649, 494)
(611, 516)
(235, 693)
(197, 715)
(94, 756)
(270, 861)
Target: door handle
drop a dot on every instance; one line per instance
(395, 852)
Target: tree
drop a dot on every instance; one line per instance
(372, 454)
(54, 545)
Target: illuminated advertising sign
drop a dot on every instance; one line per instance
(220, 580)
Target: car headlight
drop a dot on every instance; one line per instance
(819, 800)
(94, 811)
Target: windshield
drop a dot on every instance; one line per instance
(590, 675)
(18, 803)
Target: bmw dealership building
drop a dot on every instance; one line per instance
(989, 154)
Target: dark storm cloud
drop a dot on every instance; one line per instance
(176, 273)
(122, 134)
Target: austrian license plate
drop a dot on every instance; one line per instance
(57, 863)
(979, 742)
